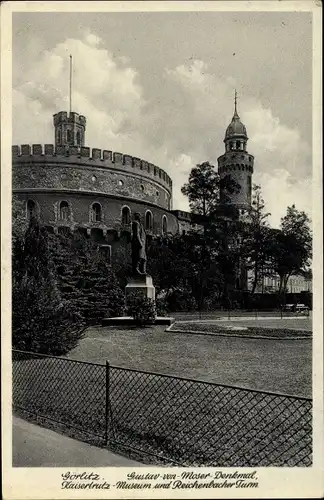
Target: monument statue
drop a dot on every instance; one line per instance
(138, 247)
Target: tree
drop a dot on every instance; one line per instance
(204, 190)
(211, 251)
(256, 238)
(41, 320)
(291, 246)
(86, 278)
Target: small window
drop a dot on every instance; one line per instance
(164, 225)
(238, 145)
(31, 209)
(126, 215)
(149, 221)
(93, 178)
(78, 138)
(59, 137)
(64, 210)
(68, 136)
(96, 212)
(142, 188)
(120, 183)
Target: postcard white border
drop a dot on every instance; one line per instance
(44, 483)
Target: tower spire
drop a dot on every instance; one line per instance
(235, 105)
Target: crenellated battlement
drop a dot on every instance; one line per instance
(92, 157)
(64, 117)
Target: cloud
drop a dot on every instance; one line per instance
(181, 125)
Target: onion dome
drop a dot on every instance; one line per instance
(236, 127)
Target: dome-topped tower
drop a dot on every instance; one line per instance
(237, 162)
(236, 136)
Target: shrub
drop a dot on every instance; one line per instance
(180, 300)
(87, 279)
(142, 309)
(41, 320)
(161, 307)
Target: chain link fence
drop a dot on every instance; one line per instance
(61, 390)
(188, 422)
(300, 312)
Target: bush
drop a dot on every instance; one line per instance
(41, 320)
(142, 309)
(161, 307)
(87, 279)
(180, 300)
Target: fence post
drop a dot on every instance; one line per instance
(107, 403)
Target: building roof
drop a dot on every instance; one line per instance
(236, 127)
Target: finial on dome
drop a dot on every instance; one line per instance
(235, 105)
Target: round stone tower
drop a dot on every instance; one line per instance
(237, 163)
(69, 129)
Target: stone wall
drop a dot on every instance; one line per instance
(101, 171)
(80, 205)
(239, 165)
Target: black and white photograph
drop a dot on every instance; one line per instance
(162, 276)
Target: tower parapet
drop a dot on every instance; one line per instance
(37, 166)
(69, 129)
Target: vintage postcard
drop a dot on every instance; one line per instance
(162, 250)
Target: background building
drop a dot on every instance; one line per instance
(72, 188)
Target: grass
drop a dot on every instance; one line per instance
(189, 422)
(254, 363)
(192, 423)
(246, 331)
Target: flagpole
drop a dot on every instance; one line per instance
(70, 83)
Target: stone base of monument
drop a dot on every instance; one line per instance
(129, 321)
(140, 286)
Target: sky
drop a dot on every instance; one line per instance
(160, 86)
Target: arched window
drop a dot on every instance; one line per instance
(31, 209)
(164, 224)
(126, 215)
(96, 212)
(59, 137)
(238, 145)
(149, 220)
(78, 138)
(231, 146)
(64, 210)
(68, 136)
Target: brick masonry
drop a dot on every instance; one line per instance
(49, 175)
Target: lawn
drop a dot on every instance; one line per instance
(192, 423)
(270, 365)
(241, 330)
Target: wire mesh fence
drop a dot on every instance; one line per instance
(301, 312)
(62, 390)
(198, 423)
(188, 422)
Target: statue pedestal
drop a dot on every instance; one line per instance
(141, 286)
